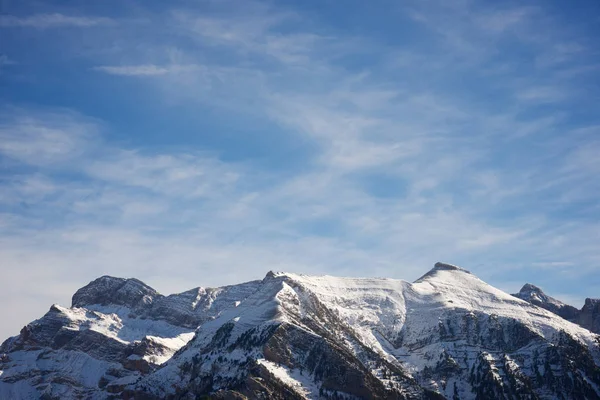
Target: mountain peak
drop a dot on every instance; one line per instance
(591, 302)
(116, 291)
(534, 294)
(439, 267)
(528, 288)
(271, 274)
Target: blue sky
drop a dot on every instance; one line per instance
(193, 143)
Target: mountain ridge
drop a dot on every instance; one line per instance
(588, 317)
(446, 335)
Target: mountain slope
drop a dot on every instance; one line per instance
(447, 335)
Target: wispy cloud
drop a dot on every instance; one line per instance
(500, 21)
(55, 20)
(177, 175)
(543, 94)
(46, 138)
(256, 32)
(133, 70)
(145, 70)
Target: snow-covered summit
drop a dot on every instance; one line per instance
(441, 269)
(440, 266)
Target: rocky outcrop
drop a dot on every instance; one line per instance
(535, 295)
(588, 317)
(107, 290)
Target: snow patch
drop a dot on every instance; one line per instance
(299, 382)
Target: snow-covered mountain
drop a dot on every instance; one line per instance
(588, 317)
(446, 335)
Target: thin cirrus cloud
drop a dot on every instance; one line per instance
(145, 70)
(267, 139)
(44, 138)
(53, 20)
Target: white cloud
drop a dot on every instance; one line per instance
(255, 32)
(145, 70)
(133, 70)
(180, 175)
(501, 21)
(55, 20)
(584, 159)
(542, 94)
(45, 138)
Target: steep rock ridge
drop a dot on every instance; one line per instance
(588, 317)
(447, 335)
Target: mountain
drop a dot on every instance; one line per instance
(535, 295)
(588, 317)
(289, 336)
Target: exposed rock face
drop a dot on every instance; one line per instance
(107, 290)
(447, 335)
(588, 317)
(535, 295)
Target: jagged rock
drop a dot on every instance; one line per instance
(588, 317)
(535, 295)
